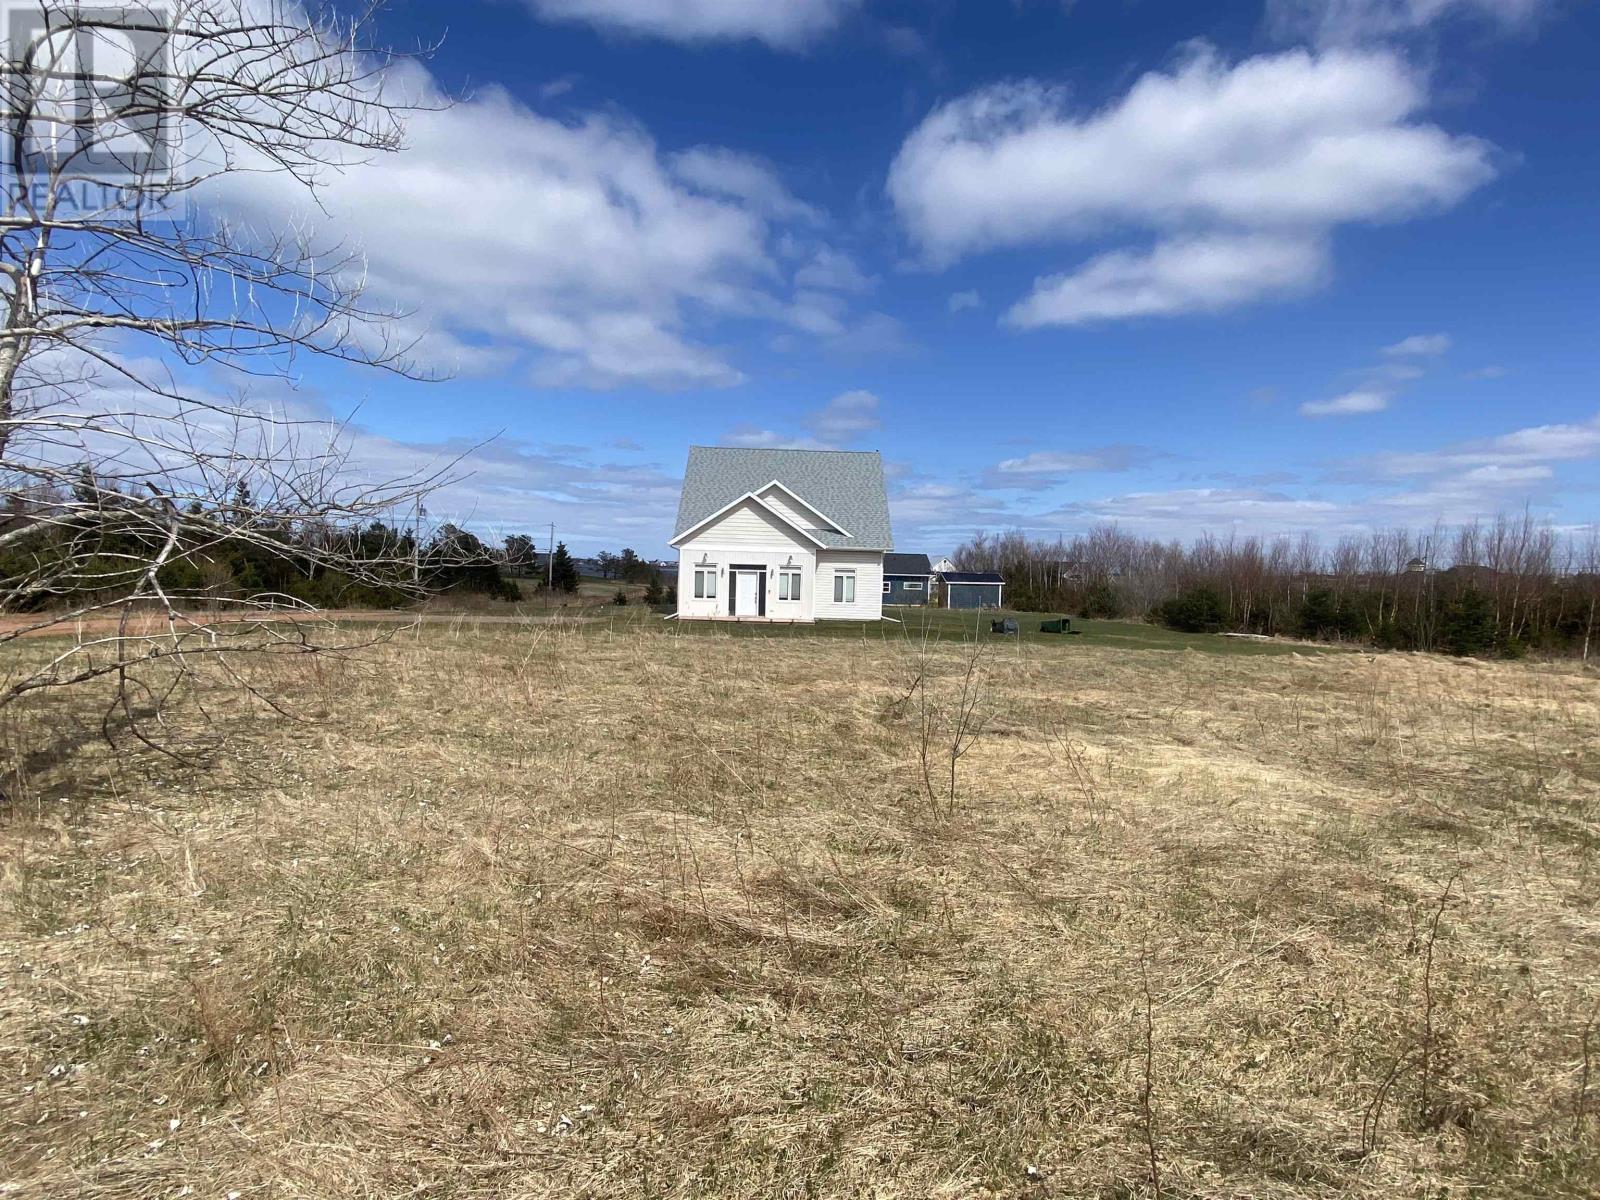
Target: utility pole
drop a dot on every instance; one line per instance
(550, 560)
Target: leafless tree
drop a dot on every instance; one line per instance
(1393, 587)
(126, 292)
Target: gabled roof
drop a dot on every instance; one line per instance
(844, 485)
(906, 564)
(972, 577)
(758, 502)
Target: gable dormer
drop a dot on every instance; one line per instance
(794, 509)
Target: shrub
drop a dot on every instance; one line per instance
(1466, 624)
(1322, 615)
(1198, 610)
(1100, 599)
(620, 599)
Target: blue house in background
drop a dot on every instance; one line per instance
(907, 579)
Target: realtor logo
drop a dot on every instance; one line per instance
(87, 106)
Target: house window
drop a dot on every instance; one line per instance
(788, 585)
(705, 583)
(886, 586)
(912, 585)
(844, 587)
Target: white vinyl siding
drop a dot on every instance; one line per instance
(747, 536)
(747, 525)
(866, 594)
(780, 501)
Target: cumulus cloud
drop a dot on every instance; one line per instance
(1264, 157)
(1344, 21)
(846, 417)
(840, 422)
(1420, 345)
(575, 246)
(1348, 405)
(718, 171)
(832, 270)
(1192, 274)
(782, 24)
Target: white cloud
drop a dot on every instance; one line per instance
(721, 172)
(783, 24)
(1348, 405)
(846, 417)
(1185, 512)
(1279, 149)
(1341, 21)
(574, 245)
(1048, 468)
(1535, 446)
(961, 301)
(1193, 274)
(1420, 345)
(839, 422)
(832, 270)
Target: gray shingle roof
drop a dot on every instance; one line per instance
(906, 564)
(845, 485)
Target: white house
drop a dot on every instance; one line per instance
(782, 535)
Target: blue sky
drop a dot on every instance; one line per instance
(1289, 267)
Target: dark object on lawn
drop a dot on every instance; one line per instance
(1059, 625)
(1007, 626)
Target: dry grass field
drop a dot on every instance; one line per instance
(581, 912)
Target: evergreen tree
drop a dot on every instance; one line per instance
(563, 572)
(631, 567)
(1198, 610)
(1466, 625)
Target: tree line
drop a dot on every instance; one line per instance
(1503, 587)
(79, 546)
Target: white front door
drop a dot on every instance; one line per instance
(746, 594)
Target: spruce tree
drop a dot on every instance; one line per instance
(563, 573)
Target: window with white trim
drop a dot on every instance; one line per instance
(705, 583)
(844, 587)
(912, 585)
(788, 585)
(887, 587)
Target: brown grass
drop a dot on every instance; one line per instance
(550, 912)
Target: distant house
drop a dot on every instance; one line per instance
(973, 589)
(782, 535)
(907, 579)
(943, 565)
